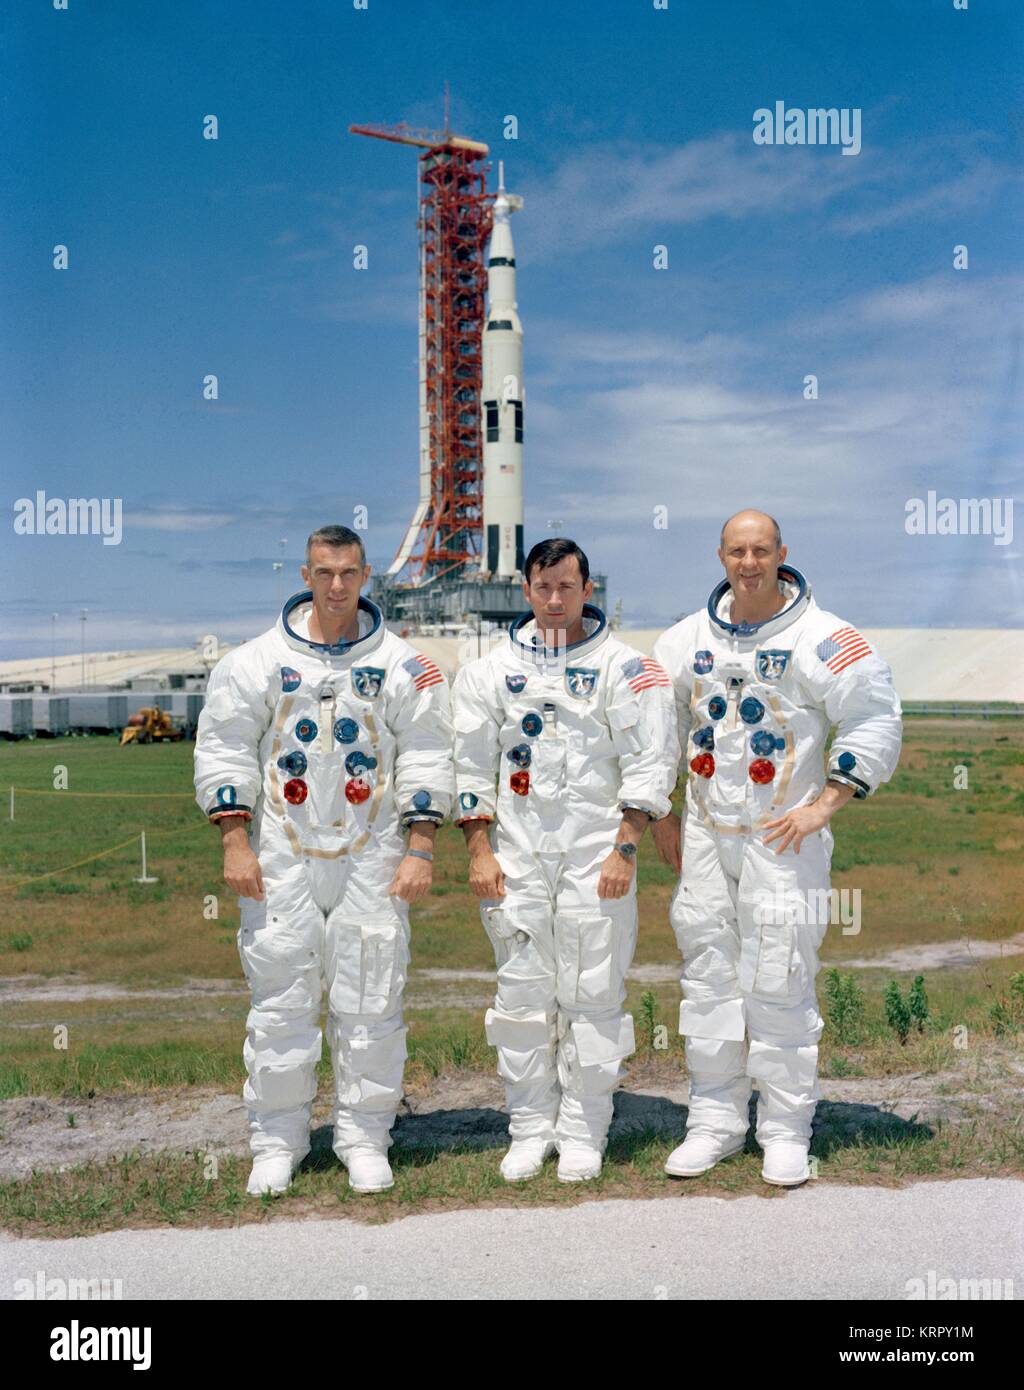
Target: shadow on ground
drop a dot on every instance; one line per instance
(638, 1121)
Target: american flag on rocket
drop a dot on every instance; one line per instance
(423, 672)
(842, 649)
(643, 672)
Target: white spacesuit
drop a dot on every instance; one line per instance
(332, 749)
(756, 703)
(551, 746)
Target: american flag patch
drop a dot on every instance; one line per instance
(423, 672)
(643, 672)
(842, 649)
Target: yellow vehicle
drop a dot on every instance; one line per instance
(151, 725)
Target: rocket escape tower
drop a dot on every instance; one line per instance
(455, 214)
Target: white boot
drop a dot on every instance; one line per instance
(578, 1162)
(368, 1169)
(785, 1162)
(270, 1173)
(698, 1153)
(525, 1159)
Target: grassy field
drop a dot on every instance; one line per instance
(179, 1190)
(933, 862)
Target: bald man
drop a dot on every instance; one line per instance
(761, 676)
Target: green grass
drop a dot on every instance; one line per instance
(932, 864)
(157, 1043)
(897, 848)
(189, 1190)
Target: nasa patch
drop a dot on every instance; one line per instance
(702, 663)
(516, 682)
(290, 679)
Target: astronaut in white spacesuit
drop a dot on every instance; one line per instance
(320, 741)
(565, 747)
(761, 676)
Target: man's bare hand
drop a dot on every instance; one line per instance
(412, 879)
(616, 876)
(667, 834)
(485, 876)
(242, 871)
(795, 826)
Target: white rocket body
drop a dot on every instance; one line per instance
(502, 402)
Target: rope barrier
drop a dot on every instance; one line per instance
(101, 854)
(48, 791)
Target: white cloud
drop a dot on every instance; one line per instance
(911, 379)
(615, 191)
(608, 192)
(166, 517)
(970, 189)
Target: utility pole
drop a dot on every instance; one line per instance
(84, 615)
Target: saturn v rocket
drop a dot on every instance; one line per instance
(468, 521)
(502, 400)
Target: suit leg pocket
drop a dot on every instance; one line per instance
(526, 971)
(275, 943)
(774, 968)
(370, 963)
(588, 959)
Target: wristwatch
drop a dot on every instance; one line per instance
(627, 849)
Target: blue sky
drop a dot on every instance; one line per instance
(680, 388)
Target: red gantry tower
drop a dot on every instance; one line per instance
(455, 214)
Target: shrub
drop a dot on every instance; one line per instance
(845, 1006)
(897, 1011)
(918, 1003)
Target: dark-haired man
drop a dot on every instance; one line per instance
(565, 746)
(319, 743)
(761, 676)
